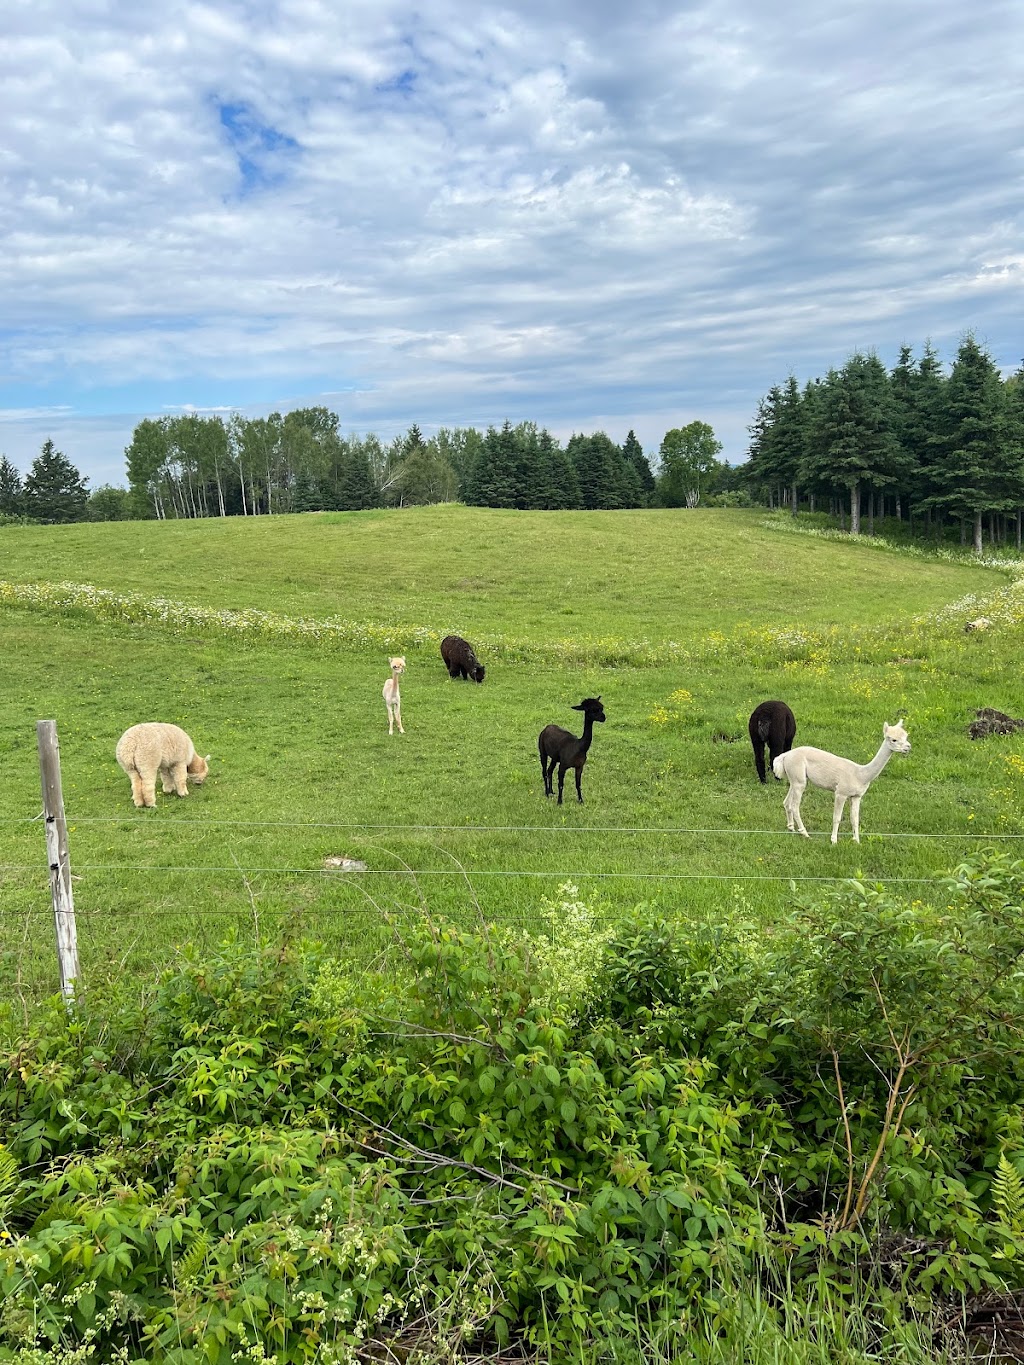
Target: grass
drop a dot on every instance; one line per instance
(669, 574)
(303, 767)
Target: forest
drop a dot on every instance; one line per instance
(930, 448)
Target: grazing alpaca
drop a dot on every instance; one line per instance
(151, 748)
(460, 659)
(559, 746)
(839, 775)
(392, 700)
(774, 724)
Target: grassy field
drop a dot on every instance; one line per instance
(451, 816)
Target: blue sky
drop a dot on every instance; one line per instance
(591, 215)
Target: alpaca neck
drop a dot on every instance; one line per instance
(587, 735)
(394, 682)
(869, 771)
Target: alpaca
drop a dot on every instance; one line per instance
(559, 746)
(774, 724)
(839, 775)
(144, 750)
(392, 699)
(460, 659)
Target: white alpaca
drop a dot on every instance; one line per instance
(839, 775)
(392, 699)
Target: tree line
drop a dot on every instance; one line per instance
(926, 447)
(935, 450)
(193, 466)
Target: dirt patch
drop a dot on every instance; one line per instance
(991, 722)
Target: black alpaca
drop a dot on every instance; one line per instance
(460, 660)
(559, 746)
(774, 724)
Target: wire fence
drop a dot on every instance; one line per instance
(647, 830)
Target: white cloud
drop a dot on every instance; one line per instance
(584, 213)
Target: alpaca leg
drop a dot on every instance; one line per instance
(787, 806)
(759, 761)
(855, 817)
(837, 815)
(138, 791)
(398, 717)
(549, 775)
(167, 780)
(391, 718)
(147, 782)
(178, 778)
(561, 781)
(579, 789)
(796, 792)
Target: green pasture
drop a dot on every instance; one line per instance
(668, 575)
(451, 816)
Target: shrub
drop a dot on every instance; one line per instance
(258, 1159)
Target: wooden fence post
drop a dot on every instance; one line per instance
(58, 857)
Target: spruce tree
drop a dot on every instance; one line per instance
(1014, 438)
(973, 472)
(598, 468)
(54, 490)
(496, 478)
(565, 484)
(11, 490)
(633, 452)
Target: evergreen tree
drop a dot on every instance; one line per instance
(11, 490)
(496, 478)
(306, 493)
(54, 489)
(598, 464)
(633, 452)
(757, 472)
(355, 489)
(1014, 438)
(629, 482)
(788, 443)
(534, 468)
(922, 436)
(565, 485)
(974, 470)
(857, 447)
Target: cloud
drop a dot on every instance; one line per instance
(585, 214)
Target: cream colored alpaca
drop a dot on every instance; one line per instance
(392, 699)
(847, 779)
(151, 748)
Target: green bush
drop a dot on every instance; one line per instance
(273, 1157)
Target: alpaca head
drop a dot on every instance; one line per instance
(896, 737)
(478, 673)
(591, 708)
(397, 665)
(198, 769)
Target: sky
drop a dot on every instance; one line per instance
(591, 215)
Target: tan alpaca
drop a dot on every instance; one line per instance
(392, 699)
(151, 748)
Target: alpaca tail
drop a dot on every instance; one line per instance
(779, 767)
